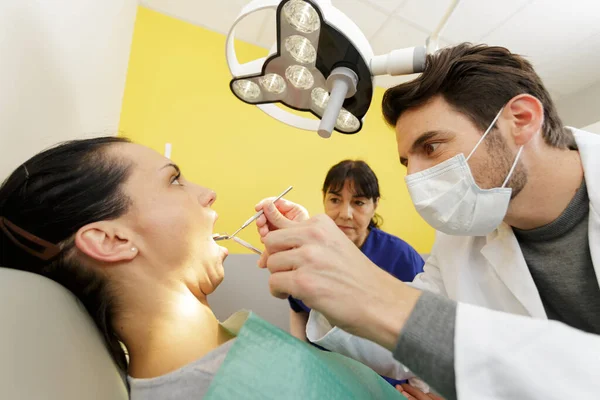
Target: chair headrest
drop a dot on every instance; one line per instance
(50, 348)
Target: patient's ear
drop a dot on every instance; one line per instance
(105, 241)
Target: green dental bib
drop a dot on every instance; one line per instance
(268, 363)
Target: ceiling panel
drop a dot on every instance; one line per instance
(397, 34)
(368, 18)
(388, 6)
(214, 15)
(547, 30)
(580, 69)
(560, 37)
(268, 33)
(425, 13)
(473, 19)
(250, 29)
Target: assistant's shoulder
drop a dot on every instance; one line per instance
(389, 241)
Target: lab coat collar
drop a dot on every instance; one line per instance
(503, 252)
(589, 150)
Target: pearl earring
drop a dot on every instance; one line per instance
(133, 249)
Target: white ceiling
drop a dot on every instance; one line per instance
(560, 37)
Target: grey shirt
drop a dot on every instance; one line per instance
(558, 257)
(188, 382)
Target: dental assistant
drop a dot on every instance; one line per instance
(350, 198)
(508, 305)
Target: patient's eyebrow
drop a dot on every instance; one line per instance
(172, 166)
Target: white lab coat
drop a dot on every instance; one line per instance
(499, 356)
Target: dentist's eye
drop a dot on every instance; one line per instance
(430, 148)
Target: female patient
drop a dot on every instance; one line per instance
(117, 224)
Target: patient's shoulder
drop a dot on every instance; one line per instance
(187, 382)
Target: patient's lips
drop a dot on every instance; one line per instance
(218, 236)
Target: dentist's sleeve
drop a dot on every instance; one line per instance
(502, 356)
(319, 331)
(378, 358)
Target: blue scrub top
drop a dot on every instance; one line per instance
(389, 253)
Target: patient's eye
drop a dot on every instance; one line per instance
(176, 180)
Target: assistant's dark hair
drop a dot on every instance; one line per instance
(49, 198)
(477, 81)
(362, 178)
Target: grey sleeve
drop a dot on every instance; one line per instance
(426, 343)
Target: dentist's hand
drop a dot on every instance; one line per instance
(282, 213)
(315, 262)
(412, 393)
(279, 215)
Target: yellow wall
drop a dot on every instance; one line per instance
(177, 91)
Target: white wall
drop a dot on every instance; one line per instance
(247, 287)
(582, 108)
(62, 72)
(595, 128)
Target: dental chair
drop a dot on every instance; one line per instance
(49, 346)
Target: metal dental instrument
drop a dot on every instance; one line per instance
(216, 237)
(246, 245)
(258, 214)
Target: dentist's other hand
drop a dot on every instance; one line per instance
(412, 393)
(282, 214)
(279, 215)
(315, 262)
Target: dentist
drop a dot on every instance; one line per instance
(508, 305)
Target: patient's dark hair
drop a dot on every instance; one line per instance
(361, 177)
(48, 199)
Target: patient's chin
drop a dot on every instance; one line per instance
(216, 276)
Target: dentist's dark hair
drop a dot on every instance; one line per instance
(477, 81)
(45, 201)
(362, 179)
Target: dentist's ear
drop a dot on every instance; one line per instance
(525, 113)
(105, 242)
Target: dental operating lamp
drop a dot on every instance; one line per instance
(321, 64)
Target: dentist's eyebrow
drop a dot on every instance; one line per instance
(426, 136)
(423, 138)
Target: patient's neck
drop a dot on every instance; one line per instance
(167, 329)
